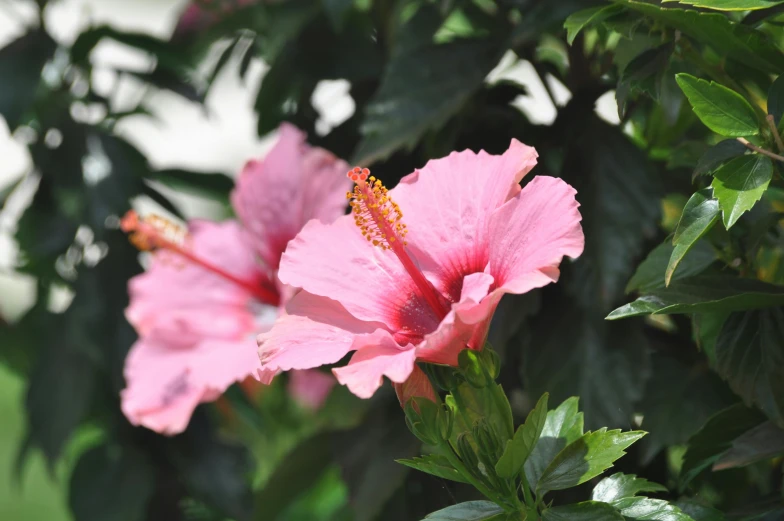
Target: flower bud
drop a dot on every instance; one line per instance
(442, 376)
(466, 453)
(446, 422)
(423, 419)
(487, 441)
(491, 361)
(473, 369)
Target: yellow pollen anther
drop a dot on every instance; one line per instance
(375, 213)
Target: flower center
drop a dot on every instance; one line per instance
(154, 232)
(379, 219)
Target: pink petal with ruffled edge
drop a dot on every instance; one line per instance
(528, 238)
(315, 331)
(187, 302)
(335, 261)
(447, 205)
(164, 384)
(365, 371)
(532, 233)
(275, 197)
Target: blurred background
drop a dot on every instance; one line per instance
(156, 105)
(218, 135)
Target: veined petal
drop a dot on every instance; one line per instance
(364, 373)
(447, 205)
(335, 261)
(417, 385)
(530, 235)
(316, 331)
(165, 385)
(187, 300)
(294, 183)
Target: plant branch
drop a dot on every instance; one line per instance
(762, 151)
(775, 132)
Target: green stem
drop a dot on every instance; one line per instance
(529, 499)
(762, 151)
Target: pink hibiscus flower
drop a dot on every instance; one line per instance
(399, 289)
(210, 291)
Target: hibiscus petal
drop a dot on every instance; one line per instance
(455, 332)
(165, 385)
(335, 261)
(310, 387)
(316, 331)
(364, 373)
(447, 205)
(294, 183)
(190, 302)
(530, 235)
(417, 385)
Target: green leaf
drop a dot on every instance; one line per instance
(678, 399)
(519, 448)
(436, 465)
(699, 215)
(581, 19)
(468, 511)
(719, 154)
(650, 273)
(739, 184)
(730, 5)
(299, 470)
(215, 471)
(62, 385)
(703, 294)
(585, 458)
(367, 455)
(211, 185)
(21, 63)
(420, 91)
(646, 73)
(169, 56)
(763, 442)
(716, 437)
(336, 11)
(622, 485)
(573, 352)
(619, 197)
(111, 483)
(776, 99)
(722, 110)
(698, 511)
(585, 511)
(643, 508)
(750, 356)
(733, 40)
(561, 427)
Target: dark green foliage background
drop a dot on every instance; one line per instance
(417, 71)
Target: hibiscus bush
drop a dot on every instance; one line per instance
(492, 317)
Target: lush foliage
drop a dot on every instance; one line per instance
(670, 322)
